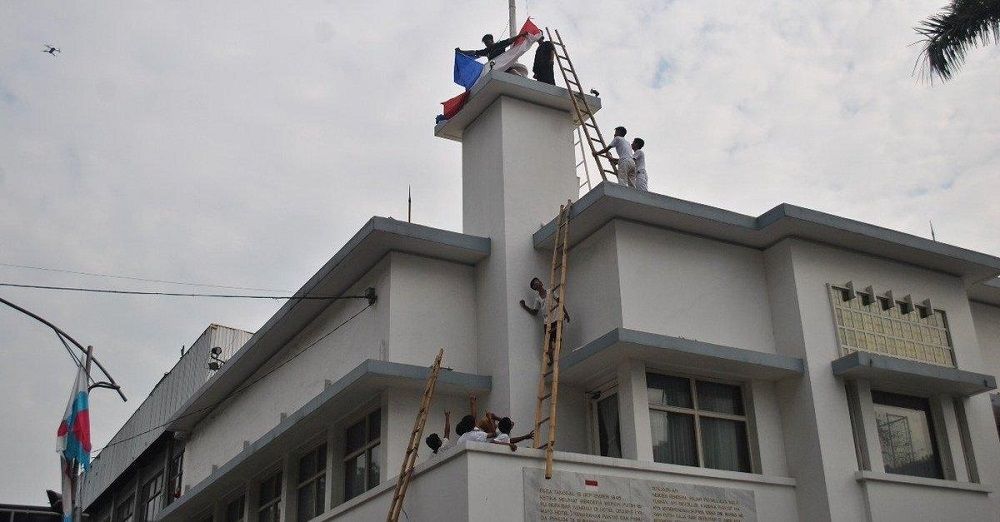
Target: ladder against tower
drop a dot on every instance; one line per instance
(546, 407)
(584, 112)
(410, 459)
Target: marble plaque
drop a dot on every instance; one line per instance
(580, 497)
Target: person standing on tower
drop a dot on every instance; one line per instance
(639, 157)
(626, 165)
(545, 57)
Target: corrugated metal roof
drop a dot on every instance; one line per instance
(148, 421)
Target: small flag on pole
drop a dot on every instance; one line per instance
(73, 442)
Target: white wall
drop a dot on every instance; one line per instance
(433, 306)
(813, 266)
(486, 483)
(909, 503)
(686, 286)
(593, 289)
(251, 413)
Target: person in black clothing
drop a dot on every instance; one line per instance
(492, 49)
(545, 57)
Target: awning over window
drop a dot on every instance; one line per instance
(912, 376)
(596, 357)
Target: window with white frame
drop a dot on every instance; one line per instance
(311, 490)
(362, 454)
(906, 434)
(236, 509)
(152, 497)
(606, 421)
(269, 499)
(698, 422)
(175, 473)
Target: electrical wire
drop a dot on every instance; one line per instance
(243, 387)
(133, 278)
(177, 294)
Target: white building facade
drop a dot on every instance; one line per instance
(791, 366)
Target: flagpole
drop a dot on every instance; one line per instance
(77, 506)
(513, 17)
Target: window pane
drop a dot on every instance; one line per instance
(904, 432)
(374, 425)
(671, 391)
(321, 494)
(354, 476)
(722, 398)
(312, 463)
(234, 510)
(270, 489)
(271, 513)
(307, 502)
(608, 429)
(354, 437)
(673, 438)
(373, 466)
(724, 443)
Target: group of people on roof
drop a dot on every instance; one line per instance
(490, 429)
(631, 160)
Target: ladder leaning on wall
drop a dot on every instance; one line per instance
(584, 114)
(410, 459)
(555, 314)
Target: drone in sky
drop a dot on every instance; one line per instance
(51, 50)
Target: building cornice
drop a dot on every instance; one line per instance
(610, 201)
(378, 237)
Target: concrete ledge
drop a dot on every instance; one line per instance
(500, 84)
(595, 357)
(987, 292)
(368, 378)
(609, 201)
(912, 376)
(873, 476)
(537, 457)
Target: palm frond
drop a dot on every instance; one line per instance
(950, 34)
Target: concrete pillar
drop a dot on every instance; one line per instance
(517, 168)
(633, 411)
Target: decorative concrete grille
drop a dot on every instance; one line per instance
(880, 324)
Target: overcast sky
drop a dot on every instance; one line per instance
(242, 143)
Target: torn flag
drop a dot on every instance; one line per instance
(467, 70)
(466, 67)
(73, 441)
(530, 33)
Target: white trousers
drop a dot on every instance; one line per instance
(641, 180)
(626, 171)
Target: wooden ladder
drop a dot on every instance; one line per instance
(555, 302)
(584, 114)
(403, 480)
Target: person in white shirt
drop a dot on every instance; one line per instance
(626, 165)
(639, 157)
(504, 427)
(539, 308)
(467, 431)
(437, 443)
